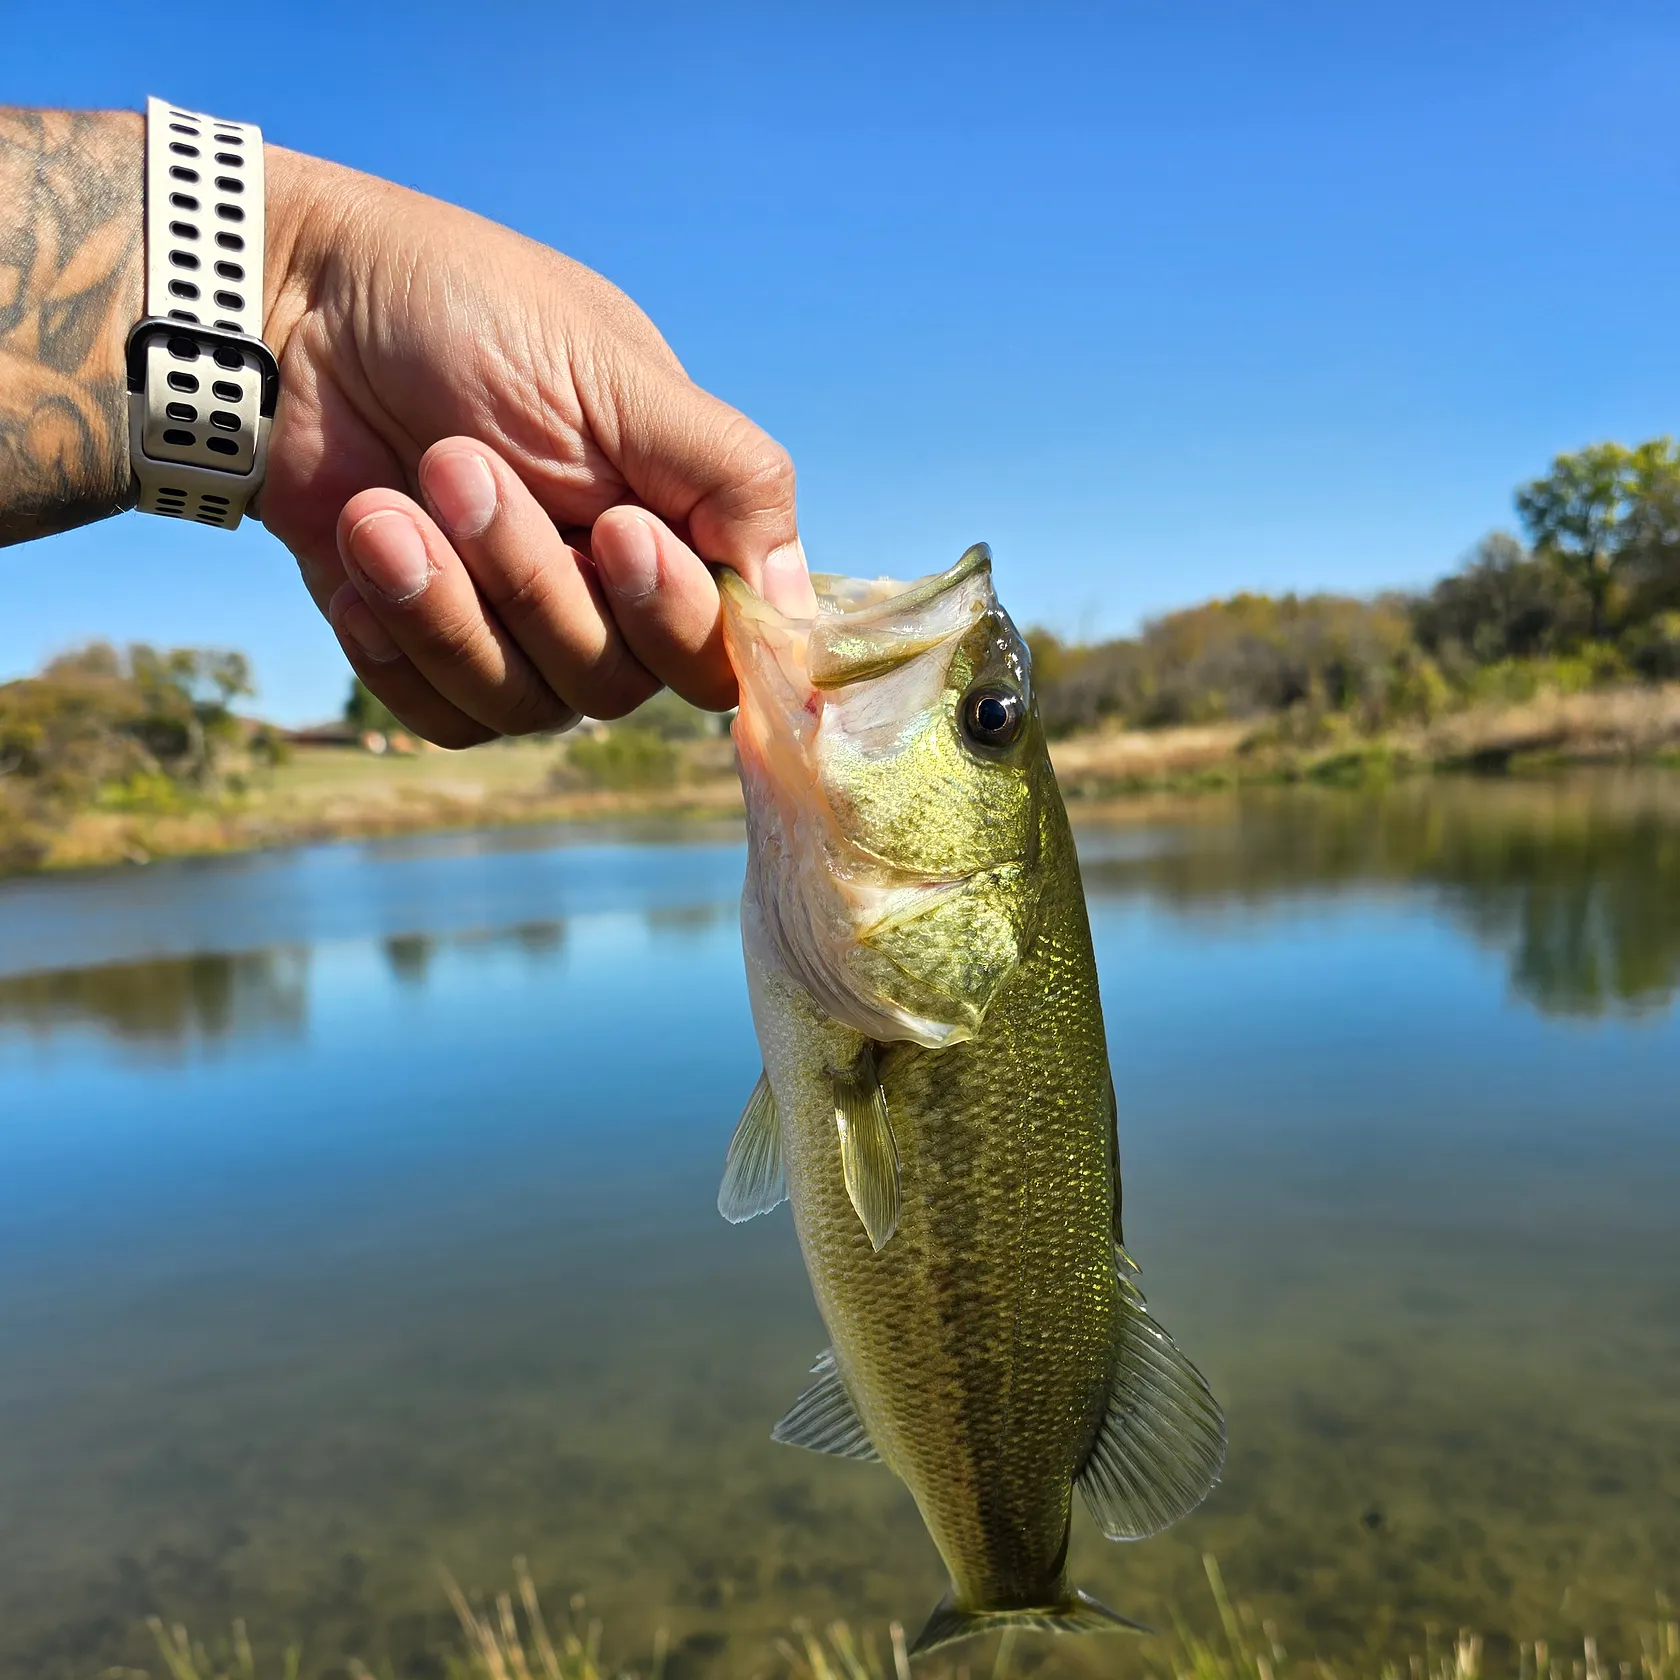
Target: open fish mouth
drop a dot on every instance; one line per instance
(862, 628)
(844, 713)
(868, 629)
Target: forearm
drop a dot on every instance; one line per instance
(71, 284)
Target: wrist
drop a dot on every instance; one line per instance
(303, 215)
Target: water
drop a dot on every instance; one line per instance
(356, 1221)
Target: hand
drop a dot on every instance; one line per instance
(572, 475)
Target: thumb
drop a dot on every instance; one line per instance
(690, 457)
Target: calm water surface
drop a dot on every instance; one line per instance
(356, 1221)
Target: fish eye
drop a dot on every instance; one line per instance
(992, 717)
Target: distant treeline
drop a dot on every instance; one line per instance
(132, 730)
(1594, 597)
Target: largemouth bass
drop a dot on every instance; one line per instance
(936, 1101)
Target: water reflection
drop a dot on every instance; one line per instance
(1575, 881)
(179, 1001)
(167, 1002)
(409, 957)
(541, 940)
(687, 921)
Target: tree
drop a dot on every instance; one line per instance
(97, 725)
(1500, 604)
(188, 695)
(1591, 515)
(1653, 561)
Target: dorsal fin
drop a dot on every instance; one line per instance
(823, 1418)
(868, 1152)
(754, 1178)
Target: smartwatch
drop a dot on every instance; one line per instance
(201, 383)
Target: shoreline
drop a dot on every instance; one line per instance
(339, 794)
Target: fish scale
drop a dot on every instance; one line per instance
(937, 1104)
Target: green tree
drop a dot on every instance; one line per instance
(1500, 604)
(188, 695)
(1592, 515)
(99, 726)
(1653, 563)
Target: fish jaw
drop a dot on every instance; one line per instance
(848, 686)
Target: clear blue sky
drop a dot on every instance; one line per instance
(1162, 301)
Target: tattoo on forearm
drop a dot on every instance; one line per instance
(71, 260)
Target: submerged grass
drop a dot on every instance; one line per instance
(511, 1639)
(502, 1645)
(1246, 1649)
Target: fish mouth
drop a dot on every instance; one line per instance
(868, 659)
(862, 628)
(858, 597)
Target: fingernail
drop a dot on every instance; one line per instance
(390, 553)
(462, 490)
(633, 570)
(353, 619)
(787, 581)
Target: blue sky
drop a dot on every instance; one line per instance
(1160, 301)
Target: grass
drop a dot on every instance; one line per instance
(511, 1639)
(634, 772)
(502, 1645)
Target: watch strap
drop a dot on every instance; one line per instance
(201, 382)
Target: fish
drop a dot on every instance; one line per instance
(936, 1102)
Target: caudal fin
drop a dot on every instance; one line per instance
(1079, 1614)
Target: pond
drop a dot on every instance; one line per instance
(356, 1223)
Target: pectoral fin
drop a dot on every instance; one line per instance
(868, 1153)
(823, 1418)
(754, 1179)
(1161, 1444)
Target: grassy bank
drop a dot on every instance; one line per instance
(1633, 725)
(511, 1638)
(344, 793)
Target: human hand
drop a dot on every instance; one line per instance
(572, 475)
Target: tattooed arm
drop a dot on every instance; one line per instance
(571, 474)
(70, 288)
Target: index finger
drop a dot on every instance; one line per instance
(695, 461)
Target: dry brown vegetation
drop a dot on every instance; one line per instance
(512, 1638)
(328, 793)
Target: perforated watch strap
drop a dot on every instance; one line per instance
(201, 382)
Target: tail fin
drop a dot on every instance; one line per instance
(1079, 1614)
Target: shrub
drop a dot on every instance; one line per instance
(670, 717)
(1237, 658)
(622, 759)
(1653, 649)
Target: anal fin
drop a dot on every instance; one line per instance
(1079, 1613)
(868, 1151)
(754, 1177)
(1161, 1444)
(823, 1418)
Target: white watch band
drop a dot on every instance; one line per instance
(201, 383)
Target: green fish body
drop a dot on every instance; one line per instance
(936, 1103)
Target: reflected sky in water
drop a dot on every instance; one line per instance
(357, 1204)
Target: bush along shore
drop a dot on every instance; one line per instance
(1563, 649)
